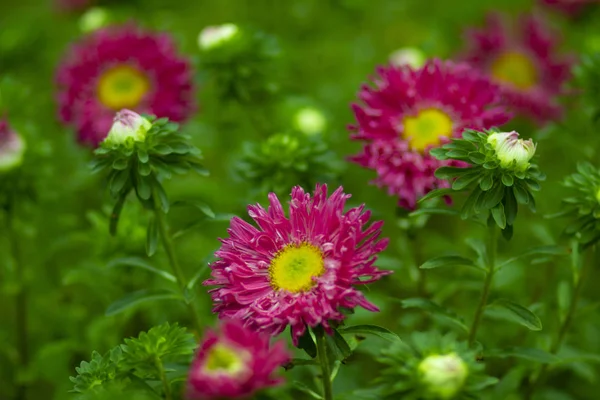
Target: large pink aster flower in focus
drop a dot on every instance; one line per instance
(522, 57)
(408, 111)
(234, 363)
(122, 67)
(300, 269)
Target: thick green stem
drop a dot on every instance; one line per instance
(167, 242)
(324, 362)
(566, 324)
(21, 331)
(163, 378)
(489, 277)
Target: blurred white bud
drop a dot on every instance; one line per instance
(443, 375)
(12, 147)
(310, 121)
(215, 36)
(410, 56)
(92, 19)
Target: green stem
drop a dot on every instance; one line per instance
(489, 277)
(163, 231)
(163, 377)
(566, 325)
(324, 361)
(20, 302)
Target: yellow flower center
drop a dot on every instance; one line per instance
(122, 86)
(516, 69)
(295, 266)
(224, 359)
(426, 128)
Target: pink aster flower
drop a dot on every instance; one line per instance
(298, 270)
(569, 7)
(234, 363)
(522, 59)
(122, 67)
(408, 111)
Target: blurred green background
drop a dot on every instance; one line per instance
(328, 49)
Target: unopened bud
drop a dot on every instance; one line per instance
(443, 375)
(128, 124)
(215, 36)
(512, 151)
(12, 147)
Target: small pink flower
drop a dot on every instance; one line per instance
(297, 270)
(234, 363)
(408, 111)
(122, 67)
(522, 58)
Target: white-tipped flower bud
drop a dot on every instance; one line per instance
(410, 56)
(128, 124)
(12, 148)
(509, 148)
(215, 36)
(443, 375)
(93, 19)
(310, 121)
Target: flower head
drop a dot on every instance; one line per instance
(12, 147)
(569, 7)
(300, 269)
(212, 37)
(410, 111)
(511, 151)
(122, 67)
(524, 61)
(128, 125)
(443, 375)
(233, 363)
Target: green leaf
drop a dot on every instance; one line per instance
(450, 172)
(498, 215)
(140, 263)
(307, 343)
(550, 250)
(507, 179)
(305, 389)
(116, 213)
(465, 180)
(433, 211)
(493, 196)
(298, 362)
(370, 330)
(162, 196)
(468, 207)
(120, 163)
(203, 207)
(144, 187)
(142, 156)
(487, 182)
(338, 345)
(526, 353)
(152, 236)
(447, 261)
(437, 193)
(140, 297)
(118, 181)
(517, 313)
(510, 206)
(436, 309)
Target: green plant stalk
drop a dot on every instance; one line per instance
(492, 246)
(324, 362)
(167, 242)
(568, 321)
(163, 377)
(20, 302)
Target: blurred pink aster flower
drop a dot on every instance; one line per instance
(234, 363)
(569, 7)
(522, 58)
(408, 111)
(122, 67)
(298, 270)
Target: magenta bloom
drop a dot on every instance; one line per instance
(408, 111)
(122, 67)
(234, 363)
(522, 59)
(298, 270)
(569, 7)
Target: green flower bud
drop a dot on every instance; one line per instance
(215, 36)
(310, 121)
(443, 375)
(511, 151)
(93, 19)
(408, 56)
(128, 127)
(12, 148)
